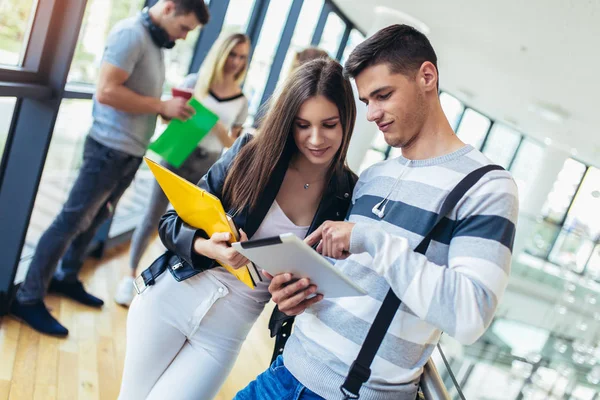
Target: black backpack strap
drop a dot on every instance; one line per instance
(280, 325)
(360, 370)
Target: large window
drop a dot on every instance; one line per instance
(332, 34)
(303, 33)
(100, 17)
(178, 60)
(237, 16)
(453, 109)
(583, 215)
(571, 250)
(528, 157)
(563, 191)
(379, 151)
(354, 40)
(62, 163)
(75, 115)
(544, 239)
(473, 128)
(584, 393)
(593, 267)
(379, 143)
(501, 144)
(7, 107)
(576, 242)
(264, 53)
(15, 24)
(60, 170)
(372, 157)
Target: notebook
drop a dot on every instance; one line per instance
(180, 138)
(201, 210)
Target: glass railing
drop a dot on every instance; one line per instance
(544, 342)
(570, 246)
(432, 385)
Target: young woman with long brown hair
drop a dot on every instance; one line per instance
(185, 331)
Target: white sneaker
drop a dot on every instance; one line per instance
(125, 292)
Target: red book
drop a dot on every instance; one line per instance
(185, 93)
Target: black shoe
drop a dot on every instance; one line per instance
(37, 316)
(75, 291)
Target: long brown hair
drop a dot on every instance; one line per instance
(253, 166)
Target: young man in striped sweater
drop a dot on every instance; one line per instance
(455, 288)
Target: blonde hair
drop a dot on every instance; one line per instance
(211, 70)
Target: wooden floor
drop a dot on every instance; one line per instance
(89, 363)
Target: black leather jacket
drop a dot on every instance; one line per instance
(178, 237)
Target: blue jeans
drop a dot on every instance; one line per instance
(103, 178)
(276, 383)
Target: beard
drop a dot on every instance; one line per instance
(404, 141)
(412, 124)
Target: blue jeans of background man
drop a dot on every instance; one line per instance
(103, 178)
(276, 383)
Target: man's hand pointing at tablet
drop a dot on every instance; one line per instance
(334, 237)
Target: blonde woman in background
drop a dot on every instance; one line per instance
(217, 85)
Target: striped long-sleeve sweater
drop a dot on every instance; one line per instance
(454, 289)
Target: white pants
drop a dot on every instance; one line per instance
(183, 338)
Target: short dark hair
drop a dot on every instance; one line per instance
(402, 47)
(198, 7)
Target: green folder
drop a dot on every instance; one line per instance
(180, 138)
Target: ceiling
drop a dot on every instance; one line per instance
(503, 57)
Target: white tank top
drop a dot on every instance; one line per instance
(274, 224)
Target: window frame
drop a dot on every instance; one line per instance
(40, 85)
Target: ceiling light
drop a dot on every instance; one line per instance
(402, 18)
(511, 121)
(548, 141)
(468, 94)
(549, 112)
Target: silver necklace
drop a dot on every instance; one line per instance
(307, 184)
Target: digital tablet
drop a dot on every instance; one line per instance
(288, 253)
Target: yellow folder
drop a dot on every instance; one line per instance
(199, 209)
